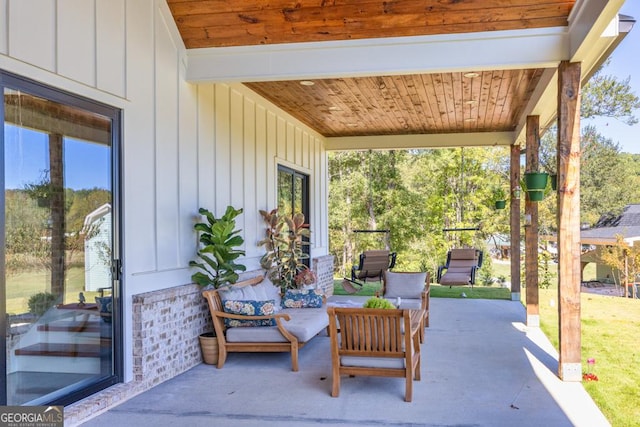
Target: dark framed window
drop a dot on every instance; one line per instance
(293, 195)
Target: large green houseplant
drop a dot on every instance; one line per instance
(219, 251)
(217, 264)
(283, 242)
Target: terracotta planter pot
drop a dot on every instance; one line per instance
(209, 346)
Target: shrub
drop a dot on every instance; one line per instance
(375, 302)
(41, 302)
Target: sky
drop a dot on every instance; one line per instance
(87, 165)
(625, 62)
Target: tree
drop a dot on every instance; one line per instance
(607, 96)
(624, 260)
(604, 173)
(417, 193)
(602, 177)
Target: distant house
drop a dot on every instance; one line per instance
(97, 248)
(499, 246)
(604, 233)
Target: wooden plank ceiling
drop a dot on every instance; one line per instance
(379, 105)
(412, 104)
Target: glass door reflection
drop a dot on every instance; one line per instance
(58, 248)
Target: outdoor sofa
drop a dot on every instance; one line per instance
(252, 316)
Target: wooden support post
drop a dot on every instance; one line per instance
(531, 227)
(56, 185)
(570, 367)
(514, 214)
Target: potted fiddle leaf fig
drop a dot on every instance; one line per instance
(217, 264)
(219, 251)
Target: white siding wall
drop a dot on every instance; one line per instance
(185, 146)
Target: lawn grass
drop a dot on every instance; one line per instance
(437, 291)
(21, 286)
(610, 335)
(368, 288)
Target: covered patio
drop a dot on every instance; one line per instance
(215, 97)
(465, 381)
(387, 77)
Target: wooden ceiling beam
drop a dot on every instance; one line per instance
(47, 117)
(440, 140)
(538, 48)
(218, 24)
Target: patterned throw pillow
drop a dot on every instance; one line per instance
(249, 308)
(105, 305)
(302, 298)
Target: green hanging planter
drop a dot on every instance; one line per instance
(501, 204)
(535, 195)
(536, 180)
(554, 181)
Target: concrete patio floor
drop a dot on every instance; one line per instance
(481, 366)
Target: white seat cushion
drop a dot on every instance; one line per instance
(404, 285)
(372, 362)
(305, 324)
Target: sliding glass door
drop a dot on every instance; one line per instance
(60, 254)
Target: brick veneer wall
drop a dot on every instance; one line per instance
(323, 267)
(166, 326)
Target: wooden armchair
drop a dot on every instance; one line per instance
(288, 342)
(372, 342)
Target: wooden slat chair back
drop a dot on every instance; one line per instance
(461, 267)
(373, 264)
(373, 342)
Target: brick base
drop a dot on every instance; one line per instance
(166, 326)
(323, 267)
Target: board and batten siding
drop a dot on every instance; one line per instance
(185, 145)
